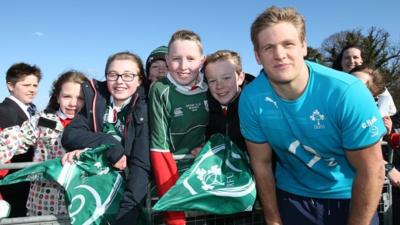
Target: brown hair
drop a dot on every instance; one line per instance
(19, 71)
(69, 76)
(228, 55)
(186, 35)
(274, 15)
(127, 56)
(376, 85)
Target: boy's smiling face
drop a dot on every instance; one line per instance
(184, 61)
(223, 81)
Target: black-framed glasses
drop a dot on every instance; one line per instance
(113, 76)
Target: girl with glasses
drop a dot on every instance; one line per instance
(116, 113)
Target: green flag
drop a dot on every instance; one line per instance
(219, 181)
(93, 188)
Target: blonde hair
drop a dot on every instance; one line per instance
(273, 16)
(185, 35)
(231, 56)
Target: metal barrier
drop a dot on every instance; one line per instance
(35, 220)
(385, 209)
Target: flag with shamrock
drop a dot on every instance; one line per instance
(93, 188)
(219, 181)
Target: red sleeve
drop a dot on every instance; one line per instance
(165, 175)
(395, 141)
(3, 173)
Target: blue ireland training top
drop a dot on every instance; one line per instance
(335, 113)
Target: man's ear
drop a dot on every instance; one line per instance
(304, 48)
(257, 57)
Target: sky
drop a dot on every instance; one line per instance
(81, 34)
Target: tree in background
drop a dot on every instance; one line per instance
(314, 55)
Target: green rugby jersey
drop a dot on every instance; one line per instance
(178, 117)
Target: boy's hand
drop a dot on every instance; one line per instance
(388, 124)
(195, 151)
(394, 177)
(121, 163)
(70, 156)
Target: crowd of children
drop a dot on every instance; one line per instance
(180, 98)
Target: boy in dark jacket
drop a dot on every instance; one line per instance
(225, 78)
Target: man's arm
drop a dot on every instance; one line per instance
(261, 163)
(367, 185)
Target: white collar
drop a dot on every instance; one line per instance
(119, 108)
(186, 88)
(61, 115)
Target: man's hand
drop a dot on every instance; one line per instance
(121, 163)
(71, 156)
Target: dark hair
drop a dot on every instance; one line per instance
(69, 76)
(376, 85)
(19, 71)
(337, 64)
(127, 56)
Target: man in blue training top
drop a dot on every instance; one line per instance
(322, 124)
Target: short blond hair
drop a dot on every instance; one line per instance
(228, 55)
(274, 15)
(185, 35)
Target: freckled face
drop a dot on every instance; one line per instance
(184, 61)
(223, 81)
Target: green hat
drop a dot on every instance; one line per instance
(157, 54)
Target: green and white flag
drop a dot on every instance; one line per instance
(93, 188)
(219, 181)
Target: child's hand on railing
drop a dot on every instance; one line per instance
(394, 177)
(195, 151)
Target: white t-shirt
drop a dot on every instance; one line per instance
(386, 104)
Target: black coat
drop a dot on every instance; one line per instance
(11, 114)
(85, 131)
(228, 125)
